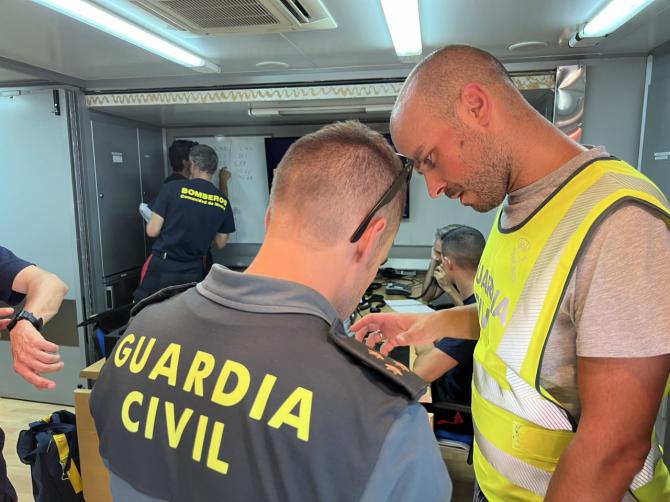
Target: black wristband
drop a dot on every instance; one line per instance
(27, 316)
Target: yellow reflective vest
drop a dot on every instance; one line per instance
(520, 429)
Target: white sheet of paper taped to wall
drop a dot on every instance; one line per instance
(117, 157)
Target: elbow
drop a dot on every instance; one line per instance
(58, 286)
(626, 460)
(221, 242)
(63, 288)
(633, 457)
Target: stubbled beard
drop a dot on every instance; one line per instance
(490, 165)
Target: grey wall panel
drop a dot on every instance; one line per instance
(613, 112)
(119, 195)
(38, 200)
(13, 386)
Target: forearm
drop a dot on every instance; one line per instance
(457, 322)
(594, 473)
(423, 348)
(44, 295)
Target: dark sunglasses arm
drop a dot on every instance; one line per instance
(386, 198)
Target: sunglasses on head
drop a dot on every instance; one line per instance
(401, 180)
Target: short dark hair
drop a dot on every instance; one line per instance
(442, 231)
(205, 158)
(464, 245)
(329, 179)
(179, 150)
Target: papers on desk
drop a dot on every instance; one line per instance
(145, 212)
(408, 306)
(408, 263)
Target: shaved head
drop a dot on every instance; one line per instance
(438, 79)
(454, 116)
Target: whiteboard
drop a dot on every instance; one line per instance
(248, 185)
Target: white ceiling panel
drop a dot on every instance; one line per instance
(35, 35)
(14, 76)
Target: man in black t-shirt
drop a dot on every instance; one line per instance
(179, 160)
(187, 216)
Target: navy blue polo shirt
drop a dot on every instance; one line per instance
(10, 266)
(455, 384)
(194, 212)
(175, 177)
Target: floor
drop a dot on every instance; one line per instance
(462, 474)
(14, 416)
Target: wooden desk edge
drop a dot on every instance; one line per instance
(93, 371)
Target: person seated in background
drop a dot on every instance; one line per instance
(187, 216)
(435, 284)
(309, 413)
(448, 363)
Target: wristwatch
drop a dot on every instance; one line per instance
(28, 316)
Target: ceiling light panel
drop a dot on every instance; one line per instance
(114, 25)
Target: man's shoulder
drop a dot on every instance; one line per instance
(160, 296)
(627, 225)
(391, 373)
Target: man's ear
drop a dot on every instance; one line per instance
(447, 263)
(186, 164)
(475, 105)
(369, 241)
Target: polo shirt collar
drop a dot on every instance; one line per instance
(261, 294)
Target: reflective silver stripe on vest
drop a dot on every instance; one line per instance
(647, 473)
(515, 343)
(522, 400)
(516, 471)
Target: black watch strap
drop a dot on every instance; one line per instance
(37, 322)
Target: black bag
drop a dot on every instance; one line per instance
(50, 447)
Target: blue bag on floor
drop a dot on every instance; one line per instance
(50, 447)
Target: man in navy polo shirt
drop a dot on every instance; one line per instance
(188, 215)
(33, 355)
(449, 362)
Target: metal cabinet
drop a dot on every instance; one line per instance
(150, 143)
(656, 150)
(117, 181)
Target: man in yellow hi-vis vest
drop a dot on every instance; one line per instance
(572, 292)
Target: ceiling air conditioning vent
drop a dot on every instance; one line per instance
(215, 17)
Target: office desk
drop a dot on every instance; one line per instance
(94, 474)
(416, 291)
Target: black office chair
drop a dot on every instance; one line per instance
(446, 438)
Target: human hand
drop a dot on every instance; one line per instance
(34, 355)
(5, 312)
(441, 278)
(224, 174)
(394, 330)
